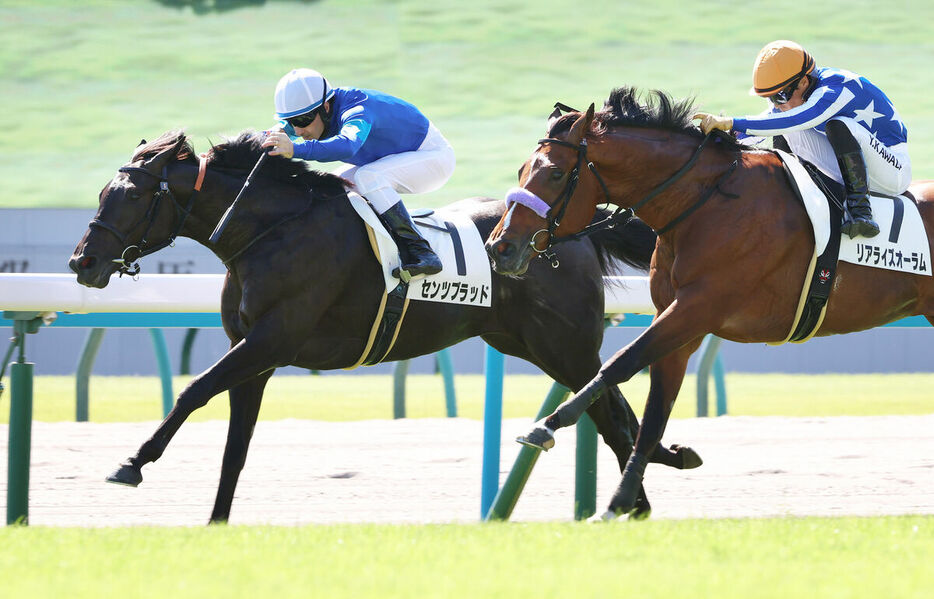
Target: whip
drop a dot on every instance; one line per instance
(222, 224)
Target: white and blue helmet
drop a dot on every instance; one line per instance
(301, 91)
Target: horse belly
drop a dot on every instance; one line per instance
(864, 298)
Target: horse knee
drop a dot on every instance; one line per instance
(190, 399)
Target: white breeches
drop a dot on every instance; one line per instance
(420, 171)
(889, 168)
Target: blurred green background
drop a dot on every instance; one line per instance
(82, 82)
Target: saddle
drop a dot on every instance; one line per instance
(905, 248)
(465, 279)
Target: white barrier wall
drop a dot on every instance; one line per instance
(150, 293)
(42, 292)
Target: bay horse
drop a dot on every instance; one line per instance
(303, 287)
(733, 247)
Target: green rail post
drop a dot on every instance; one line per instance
(443, 364)
(20, 428)
(185, 364)
(446, 366)
(86, 364)
(399, 371)
(83, 375)
(585, 479)
(710, 353)
(719, 379)
(508, 495)
(165, 370)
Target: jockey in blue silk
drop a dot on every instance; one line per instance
(835, 119)
(388, 145)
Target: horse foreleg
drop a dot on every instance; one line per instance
(667, 374)
(617, 424)
(245, 400)
(250, 357)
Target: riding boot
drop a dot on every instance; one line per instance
(417, 256)
(858, 214)
(858, 219)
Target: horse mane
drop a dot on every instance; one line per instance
(237, 156)
(660, 111)
(631, 243)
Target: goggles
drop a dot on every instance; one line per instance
(302, 120)
(783, 96)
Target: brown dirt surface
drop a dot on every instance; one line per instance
(428, 470)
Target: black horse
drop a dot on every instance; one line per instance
(303, 287)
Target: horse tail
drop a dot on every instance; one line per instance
(632, 243)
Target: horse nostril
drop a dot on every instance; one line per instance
(81, 263)
(505, 249)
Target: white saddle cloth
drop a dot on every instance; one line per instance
(901, 245)
(466, 277)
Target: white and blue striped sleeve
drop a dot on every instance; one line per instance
(825, 103)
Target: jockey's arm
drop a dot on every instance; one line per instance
(338, 147)
(825, 103)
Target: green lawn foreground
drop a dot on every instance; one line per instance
(783, 557)
(345, 397)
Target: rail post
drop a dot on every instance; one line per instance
(20, 433)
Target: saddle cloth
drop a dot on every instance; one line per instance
(902, 243)
(466, 277)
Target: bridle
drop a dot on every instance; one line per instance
(556, 211)
(621, 215)
(128, 259)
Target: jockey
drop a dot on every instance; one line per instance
(833, 118)
(390, 148)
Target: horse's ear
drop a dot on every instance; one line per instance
(162, 158)
(142, 142)
(581, 126)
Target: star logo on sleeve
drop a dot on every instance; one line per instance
(850, 76)
(868, 114)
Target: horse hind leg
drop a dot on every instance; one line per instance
(677, 456)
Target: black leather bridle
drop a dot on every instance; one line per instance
(128, 259)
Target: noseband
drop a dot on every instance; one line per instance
(128, 259)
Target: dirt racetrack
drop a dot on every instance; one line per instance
(429, 471)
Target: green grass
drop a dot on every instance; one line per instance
(786, 557)
(354, 397)
(83, 82)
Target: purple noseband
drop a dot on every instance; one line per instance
(528, 199)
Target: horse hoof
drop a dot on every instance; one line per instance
(541, 437)
(127, 474)
(689, 458)
(609, 516)
(638, 514)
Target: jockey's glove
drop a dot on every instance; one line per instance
(709, 122)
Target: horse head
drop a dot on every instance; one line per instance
(132, 220)
(553, 197)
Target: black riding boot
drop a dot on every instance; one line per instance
(417, 256)
(858, 213)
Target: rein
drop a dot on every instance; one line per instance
(621, 214)
(131, 254)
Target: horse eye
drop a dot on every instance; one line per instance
(134, 195)
(556, 174)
